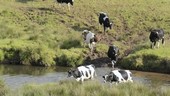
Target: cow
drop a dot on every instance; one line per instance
(82, 73)
(104, 20)
(155, 36)
(68, 2)
(118, 76)
(113, 53)
(90, 39)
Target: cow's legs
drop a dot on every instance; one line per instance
(113, 63)
(104, 29)
(68, 6)
(163, 41)
(82, 79)
(158, 43)
(153, 44)
(91, 48)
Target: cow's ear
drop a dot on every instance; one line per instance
(103, 77)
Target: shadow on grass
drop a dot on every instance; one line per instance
(23, 1)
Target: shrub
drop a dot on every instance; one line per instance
(72, 57)
(37, 55)
(1, 55)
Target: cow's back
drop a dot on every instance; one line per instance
(156, 35)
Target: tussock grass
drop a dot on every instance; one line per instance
(90, 88)
(4, 90)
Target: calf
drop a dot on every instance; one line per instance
(83, 72)
(118, 76)
(68, 2)
(113, 53)
(90, 39)
(104, 20)
(156, 35)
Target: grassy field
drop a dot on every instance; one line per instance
(37, 32)
(88, 88)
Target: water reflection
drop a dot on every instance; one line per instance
(29, 70)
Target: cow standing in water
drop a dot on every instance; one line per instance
(82, 73)
(68, 2)
(118, 76)
(156, 35)
(113, 53)
(104, 20)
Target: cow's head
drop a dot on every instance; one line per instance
(74, 73)
(108, 78)
(70, 73)
(111, 24)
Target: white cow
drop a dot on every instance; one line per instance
(90, 39)
(82, 73)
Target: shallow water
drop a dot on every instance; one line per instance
(15, 76)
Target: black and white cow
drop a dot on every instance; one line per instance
(113, 53)
(104, 20)
(155, 36)
(68, 2)
(90, 39)
(118, 76)
(83, 72)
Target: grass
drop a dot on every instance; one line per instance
(149, 59)
(44, 27)
(89, 88)
(4, 90)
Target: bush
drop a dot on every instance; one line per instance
(72, 57)
(37, 55)
(1, 55)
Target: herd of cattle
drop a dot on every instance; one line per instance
(82, 73)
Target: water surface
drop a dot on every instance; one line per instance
(15, 76)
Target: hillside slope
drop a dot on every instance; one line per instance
(40, 32)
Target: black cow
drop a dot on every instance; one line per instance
(156, 35)
(68, 2)
(113, 53)
(104, 20)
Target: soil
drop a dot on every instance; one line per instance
(100, 59)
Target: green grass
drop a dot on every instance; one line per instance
(89, 88)
(148, 59)
(4, 90)
(32, 24)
